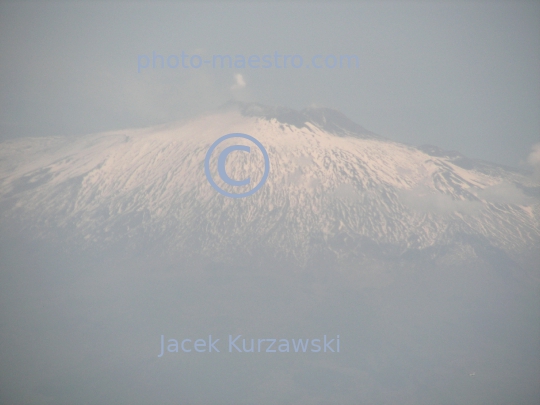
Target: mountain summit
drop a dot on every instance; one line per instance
(326, 119)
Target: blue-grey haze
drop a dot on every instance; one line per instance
(423, 262)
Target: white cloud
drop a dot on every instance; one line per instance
(240, 82)
(426, 200)
(503, 193)
(533, 160)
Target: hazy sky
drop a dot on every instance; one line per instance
(460, 75)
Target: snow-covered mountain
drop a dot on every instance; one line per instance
(333, 186)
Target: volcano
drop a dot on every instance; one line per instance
(332, 186)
